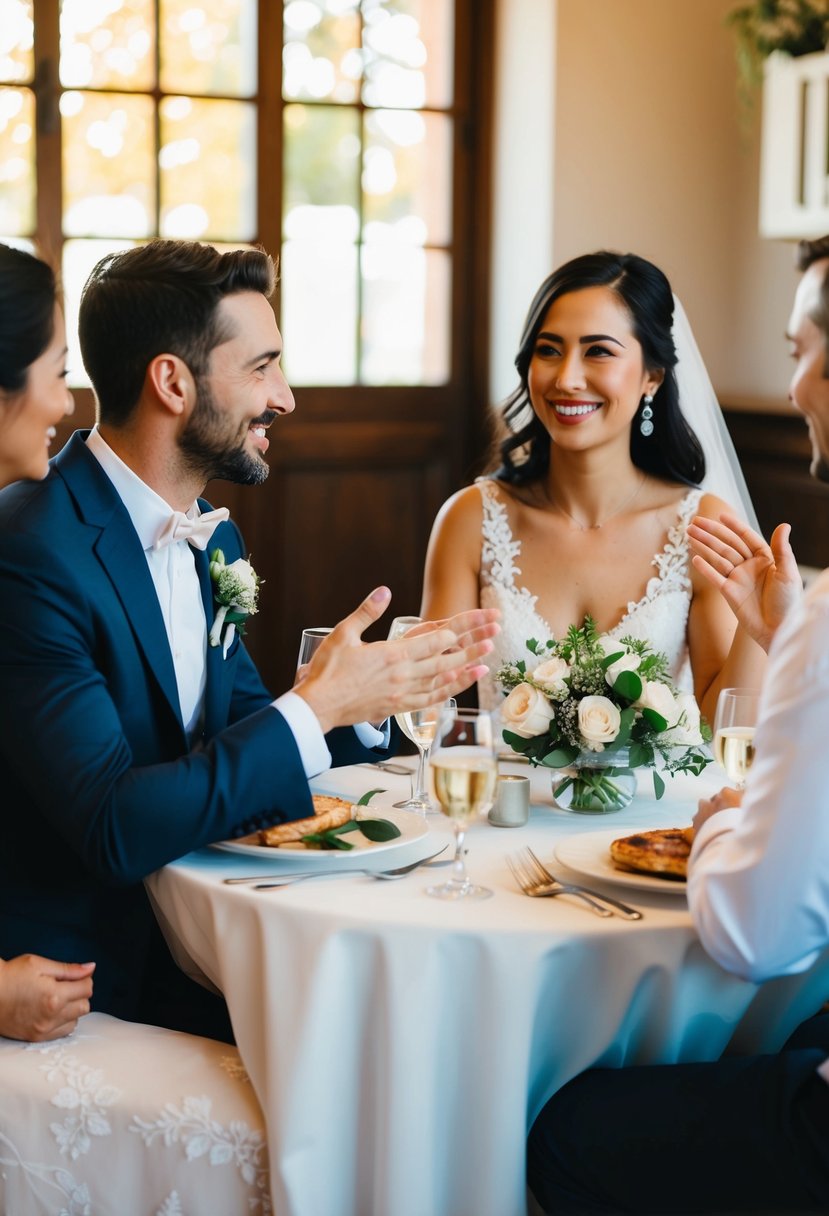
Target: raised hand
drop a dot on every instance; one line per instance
(760, 582)
(41, 999)
(722, 801)
(349, 680)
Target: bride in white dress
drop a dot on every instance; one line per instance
(598, 477)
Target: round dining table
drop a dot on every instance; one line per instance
(401, 1045)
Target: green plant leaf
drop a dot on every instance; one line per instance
(367, 797)
(611, 658)
(656, 720)
(560, 757)
(628, 685)
(378, 830)
(658, 784)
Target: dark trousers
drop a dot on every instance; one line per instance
(743, 1134)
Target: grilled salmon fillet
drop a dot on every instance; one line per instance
(329, 812)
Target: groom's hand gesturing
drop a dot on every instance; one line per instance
(349, 680)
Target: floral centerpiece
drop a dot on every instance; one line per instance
(593, 708)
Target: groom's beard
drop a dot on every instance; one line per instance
(213, 448)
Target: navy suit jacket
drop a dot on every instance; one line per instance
(99, 785)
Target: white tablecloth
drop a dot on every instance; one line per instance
(401, 1046)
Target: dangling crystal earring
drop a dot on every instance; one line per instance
(646, 423)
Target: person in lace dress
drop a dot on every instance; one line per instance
(597, 478)
(39, 998)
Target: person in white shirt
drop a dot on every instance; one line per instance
(743, 1134)
(127, 737)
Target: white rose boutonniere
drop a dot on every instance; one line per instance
(236, 592)
(527, 712)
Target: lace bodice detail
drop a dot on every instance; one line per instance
(661, 615)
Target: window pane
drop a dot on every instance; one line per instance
(17, 161)
(319, 312)
(108, 165)
(321, 50)
(208, 46)
(406, 302)
(79, 258)
(408, 50)
(208, 169)
(407, 177)
(107, 46)
(322, 163)
(17, 33)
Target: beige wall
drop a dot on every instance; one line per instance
(650, 156)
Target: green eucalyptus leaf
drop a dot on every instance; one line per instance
(560, 757)
(611, 658)
(628, 685)
(658, 784)
(656, 720)
(517, 742)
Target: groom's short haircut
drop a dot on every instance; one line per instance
(155, 299)
(807, 253)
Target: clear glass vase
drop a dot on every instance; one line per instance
(595, 783)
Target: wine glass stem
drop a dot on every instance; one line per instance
(459, 874)
(421, 793)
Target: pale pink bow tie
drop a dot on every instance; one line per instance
(197, 531)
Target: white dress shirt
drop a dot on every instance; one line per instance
(758, 885)
(177, 586)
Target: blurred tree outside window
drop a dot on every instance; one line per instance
(325, 130)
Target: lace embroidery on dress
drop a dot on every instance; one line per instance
(661, 615)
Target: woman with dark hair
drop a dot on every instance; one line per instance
(39, 999)
(596, 480)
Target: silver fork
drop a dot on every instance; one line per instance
(542, 875)
(530, 886)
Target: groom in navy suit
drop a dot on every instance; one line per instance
(127, 739)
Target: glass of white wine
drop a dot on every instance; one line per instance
(464, 769)
(418, 725)
(734, 724)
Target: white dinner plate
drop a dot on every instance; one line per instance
(412, 827)
(589, 854)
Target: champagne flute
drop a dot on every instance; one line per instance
(734, 724)
(464, 768)
(418, 725)
(310, 643)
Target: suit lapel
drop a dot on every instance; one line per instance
(122, 560)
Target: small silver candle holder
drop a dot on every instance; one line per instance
(511, 808)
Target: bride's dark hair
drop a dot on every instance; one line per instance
(673, 451)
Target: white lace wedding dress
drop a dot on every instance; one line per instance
(660, 616)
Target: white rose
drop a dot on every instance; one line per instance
(686, 732)
(609, 645)
(658, 696)
(551, 676)
(599, 721)
(526, 712)
(244, 572)
(628, 662)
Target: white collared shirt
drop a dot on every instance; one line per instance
(174, 576)
(758, 880)
(177, 586)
